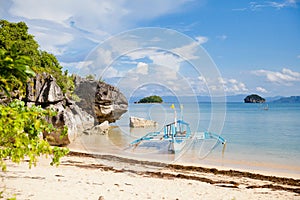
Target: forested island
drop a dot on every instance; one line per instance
(151, 99)
(254, 98)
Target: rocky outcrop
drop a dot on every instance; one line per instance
(86, 89)
(99, 102)
(137, 122)
(43, 90)
(101, 129)
(254, 98)
(110, 103)
(103, 101)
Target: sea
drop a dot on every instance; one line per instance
(258, 136)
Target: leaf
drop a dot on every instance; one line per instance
(29, 71)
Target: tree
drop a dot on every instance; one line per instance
(254, 98)
(151, 99)
(15, 41)
(21, 128)
(14, 72)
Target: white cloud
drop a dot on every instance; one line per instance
(156, 75)
(111, 72)
(74, 27)
(286, 76)
(201, 39)
(189, 51)
(157, 57)
(261, 89)
(233, 86)
(142, 68)
(254, 6)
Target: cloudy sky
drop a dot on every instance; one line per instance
(193, 47)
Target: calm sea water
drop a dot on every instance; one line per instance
(256, 138)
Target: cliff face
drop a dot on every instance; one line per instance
(254, 98)
(43, 90)
(99, 102)
(103, 101)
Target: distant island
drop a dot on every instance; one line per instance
(292, 99)
(254, 98)
(151, 99)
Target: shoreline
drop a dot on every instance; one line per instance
(264, 168)
(202, 169)
(83, 175)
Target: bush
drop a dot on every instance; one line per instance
(21, 130)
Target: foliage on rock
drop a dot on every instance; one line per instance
(254, 98)
(16, 44)
(21, 128)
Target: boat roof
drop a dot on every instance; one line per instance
(178, 122)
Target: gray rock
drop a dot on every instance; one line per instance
(102, 129)
(43, 90)
(110, 103)
(86, 90)
(137, 122)
(103, 101)
(99, 102)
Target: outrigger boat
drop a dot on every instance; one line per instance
(179, 135)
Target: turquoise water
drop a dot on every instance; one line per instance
(256, 138)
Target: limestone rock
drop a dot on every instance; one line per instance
(86, 90)
(103, 101)
(43, 90)
(102, 129)
(136, 122)
(110, 103)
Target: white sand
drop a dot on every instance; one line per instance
(74, 179)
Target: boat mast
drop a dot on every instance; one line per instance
(175, 116)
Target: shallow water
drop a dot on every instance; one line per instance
(256, 138)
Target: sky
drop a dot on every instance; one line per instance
(166, 47)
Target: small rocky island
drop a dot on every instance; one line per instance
(151, 99)
(254, 98)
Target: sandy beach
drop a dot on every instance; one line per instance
(89, 176)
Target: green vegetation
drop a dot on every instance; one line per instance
(14, 72)
(16, 46)
(151, 99)
(20, 130)
(21, 127)
(254, 98)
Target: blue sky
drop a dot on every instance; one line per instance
(255, 45)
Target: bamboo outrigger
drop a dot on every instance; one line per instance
(178, 133)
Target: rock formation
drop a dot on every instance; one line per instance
(43, 90)
(136, 122)
(103, 101)
(101, 129)
(99, 102)
(254, 98)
